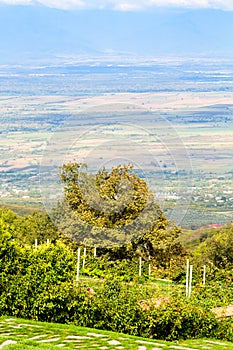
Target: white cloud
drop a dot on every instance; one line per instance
(126, 5)
(63, 4)
(16, 2)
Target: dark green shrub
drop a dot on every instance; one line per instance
(224, 330)
(180, 318)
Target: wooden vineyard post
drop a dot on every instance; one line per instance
(204, 274)
(84, 256)
(187, 277)
(78, 264)
(149, 267)
(190, 280)
(140, 267)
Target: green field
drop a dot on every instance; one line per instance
(18, 334)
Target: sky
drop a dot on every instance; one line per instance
(126, 5)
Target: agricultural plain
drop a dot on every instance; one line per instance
(177, 132)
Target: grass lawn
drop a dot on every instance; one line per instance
(18, 334)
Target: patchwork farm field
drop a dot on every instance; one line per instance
(184, 154)
(174, 124)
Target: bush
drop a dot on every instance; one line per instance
(117, 308)
(180, 319)
(224, 330)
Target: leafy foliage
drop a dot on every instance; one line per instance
(108, 199)
(29, 227)
(117, 207)
(217, 249)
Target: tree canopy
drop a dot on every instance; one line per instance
(115, 208)
(28, 227)
(217, 249)
(106, 199)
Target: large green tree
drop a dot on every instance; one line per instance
(116, 207)
(107, 199)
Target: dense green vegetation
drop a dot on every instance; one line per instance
(39, 282)
(47, 295)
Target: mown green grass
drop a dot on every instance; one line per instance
(73, 337)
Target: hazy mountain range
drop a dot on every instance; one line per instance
(39, 31)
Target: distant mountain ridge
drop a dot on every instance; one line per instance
(32, 31)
